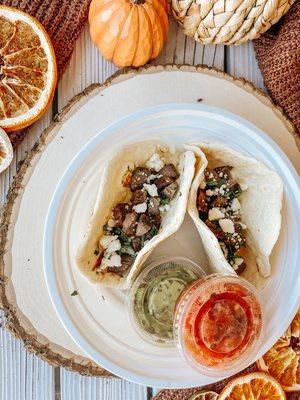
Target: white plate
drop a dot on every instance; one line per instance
(96, 318)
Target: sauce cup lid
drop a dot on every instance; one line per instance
(152, 298)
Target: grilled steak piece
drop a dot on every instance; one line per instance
(169, 171)
(170, 190)
(201, 204)
(139, 197)
(162, 182)
(136, 243)
(224, 169)
(117, 270)
(143, 226)
(238, 227)
(129, 224)
(216, 230)
(241, 268)
(155, 220)
(119, 213)
(211, 175)
(220, 201)
(127, 261)
(149, 235)
(139, 177)
(234, 190)
(153, 206)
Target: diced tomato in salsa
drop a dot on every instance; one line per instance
(219, 328)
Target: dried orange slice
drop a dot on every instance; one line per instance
(6, 151)
(28, 72)
(283, 360)
(255, 386)
(204, 396)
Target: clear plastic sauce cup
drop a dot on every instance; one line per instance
(219, 324)
(153, 296)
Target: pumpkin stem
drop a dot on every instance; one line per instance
(138, 1)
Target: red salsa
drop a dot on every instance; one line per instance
(220, 319)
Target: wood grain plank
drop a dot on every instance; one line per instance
(180, 46)
(87, 66)
(167, 56)
(22, 375)
(241, 62)
(190, 51)
(21, 152)
(181, 49)
(76, 387)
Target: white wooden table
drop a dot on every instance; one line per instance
(22, 375)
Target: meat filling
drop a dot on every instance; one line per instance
(134, 223)
(220, 209)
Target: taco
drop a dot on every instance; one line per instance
(141, 201)
(235, 202)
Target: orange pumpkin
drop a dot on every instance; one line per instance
(129, 32)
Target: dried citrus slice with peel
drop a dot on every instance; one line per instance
(6, 151)
(204, 396)
(283, 360)
(28, 71)
(255, 386)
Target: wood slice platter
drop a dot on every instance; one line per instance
(24, 296)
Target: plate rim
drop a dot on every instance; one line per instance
(59, 193)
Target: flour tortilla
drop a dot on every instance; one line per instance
(261, 206)
(112, 192)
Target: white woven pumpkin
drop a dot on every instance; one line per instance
(227, 21)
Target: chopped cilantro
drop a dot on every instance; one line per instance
(124, 238)
(121, 235)
(116, 230)
(74, 293)
(153, 231)
(164, 201)
(215, 184)
(211, 184)
(230, 252)
(234, 191)
(127, 249)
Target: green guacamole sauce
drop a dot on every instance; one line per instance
(155, 298)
